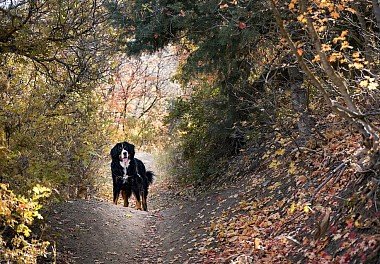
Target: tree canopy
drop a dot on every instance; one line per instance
(269, 61)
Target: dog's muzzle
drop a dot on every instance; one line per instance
(124, 156)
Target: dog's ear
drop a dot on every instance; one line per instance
(115, 152)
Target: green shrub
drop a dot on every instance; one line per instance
(206, 127)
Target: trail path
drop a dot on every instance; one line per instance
(92, 231)
(96, 231)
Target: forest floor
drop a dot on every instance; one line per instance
(97, 231)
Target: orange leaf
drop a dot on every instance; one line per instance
(326, 47)
(335, 15)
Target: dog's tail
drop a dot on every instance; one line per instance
(150, 176)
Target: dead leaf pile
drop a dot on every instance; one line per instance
(302, 206)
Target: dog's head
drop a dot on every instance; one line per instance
(123, 151)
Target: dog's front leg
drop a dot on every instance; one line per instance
(116, 192)
(125, 198)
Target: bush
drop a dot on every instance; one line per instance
(17, 213)
(207, 129)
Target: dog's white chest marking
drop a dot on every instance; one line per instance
(124, 161)
(125, 167)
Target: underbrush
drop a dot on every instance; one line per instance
(18, 243)
(301, 205)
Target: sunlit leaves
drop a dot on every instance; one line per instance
(292, 4)
(23, 229)
(369, 83)
(342, 37)
(40, 192)
(53, 62)
(280, 152)
(18, 213)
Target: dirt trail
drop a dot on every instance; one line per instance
(93, 231)
(96, 231)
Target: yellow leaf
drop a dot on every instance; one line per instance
(344, 60)
(358, 65)
(292, 208)
(335, 40)
(257, 243)
(363, 83)
(334, 57)
(282, 141)
(326, 47)
(316, 58)
(344, 33)
(292, 168)
(302, 19)
(274, 186)
(21, 228)
(373, 86)
(306, 208)
(38, 189)
(274, 164)
(280, 152)
(345, 45)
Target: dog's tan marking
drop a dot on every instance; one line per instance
(115, 201)
(144, 205)
(125, 198)
(138, 205)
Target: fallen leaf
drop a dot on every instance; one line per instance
(323, 225)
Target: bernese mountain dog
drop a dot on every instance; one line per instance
(129, 175)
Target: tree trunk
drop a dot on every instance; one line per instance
(300, 104)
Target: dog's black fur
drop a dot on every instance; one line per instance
(129, 175)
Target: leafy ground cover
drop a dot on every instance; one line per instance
(301, 206)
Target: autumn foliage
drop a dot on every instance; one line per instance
(282, 96)
(17, 214)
